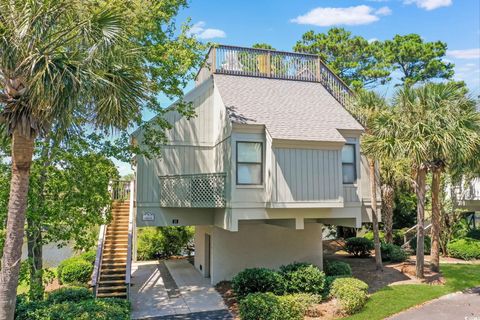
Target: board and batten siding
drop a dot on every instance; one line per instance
(306, 175)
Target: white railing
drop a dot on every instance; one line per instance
(412, 233)
(131, 216)
(468, 191)
(98, 259)
(274, 64)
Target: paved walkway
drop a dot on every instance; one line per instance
(173, 290)
(460, 305)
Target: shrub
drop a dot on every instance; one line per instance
(307, 279)
(25, 310)
(69, 294)
(369, 235)
(99, 309)
(293, 267)
(351, 293)
(155, 243)
(267, 306)
(393, 253)
(466, 248)
(474, 234)
(260, 306)
(150, 243)
(257, 280)
(337, 268)
(328, 284)
(75, 270)
(89, 256)
(359, 247)
(427, 243)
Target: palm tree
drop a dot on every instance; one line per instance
(366, 107)
(59, 60)
(455, 139)
(423, 128)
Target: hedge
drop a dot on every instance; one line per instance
(75, 270)
(466, 248)
(307, 279)
(337, 268)
(258, 280)
(393, 253)
(351, 293)
(358, 246)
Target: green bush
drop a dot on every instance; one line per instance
(267, 306)
(293, 267)
(257, 280)
(69, 294)
(393, 253)
(75, 270)
(358, 246)
(89, 256)
(25, 310)
(369, 235)
(328, 284)
(427, 244)
(307, 279)
(474, 234)
(337, 268)
(98, 309)
(466, 248)
(155, 243)
(351, 293)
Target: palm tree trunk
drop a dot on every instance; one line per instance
(420, 190)
(373, 199)
(435, 250)
(22, 152)
(387, 202)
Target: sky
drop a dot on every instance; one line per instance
(281, 23)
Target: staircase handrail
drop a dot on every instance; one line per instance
(407, 242)
(98, 258)
(130, 237)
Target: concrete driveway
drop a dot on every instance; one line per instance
(173, 289)
(460, 305)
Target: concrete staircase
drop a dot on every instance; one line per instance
(113, 267)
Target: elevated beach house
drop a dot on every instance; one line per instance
(270, 158)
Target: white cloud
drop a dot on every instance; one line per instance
(198, 29)
(324, 17)
(372, 40)
(465, 54)
(384, 11)
(429, 4)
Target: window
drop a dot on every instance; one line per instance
(349, 170)
(249, 163)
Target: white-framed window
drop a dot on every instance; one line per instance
(349, 167)
(249, 163)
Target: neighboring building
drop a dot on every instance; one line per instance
(271, 156)
(466, 195)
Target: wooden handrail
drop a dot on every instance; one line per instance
(130, 237)
(98, 258)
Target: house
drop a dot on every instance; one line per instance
(466, 196)
(270, 158)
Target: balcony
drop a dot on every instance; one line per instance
(274, 64)
(469, 191)
(193, 191)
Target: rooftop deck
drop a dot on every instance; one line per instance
(223, 59)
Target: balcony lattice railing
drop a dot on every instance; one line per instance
(468, 191)
(273, 64)
(193, 191)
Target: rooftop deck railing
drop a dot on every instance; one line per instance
(274, 64)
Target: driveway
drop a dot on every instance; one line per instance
(460, 305)
(173, 289)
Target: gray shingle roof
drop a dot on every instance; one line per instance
(291, 110)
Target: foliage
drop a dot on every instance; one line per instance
(337, 268)
(328, 284)
(358, 246)
(89, 256)
(473, 234)
(69, 294)
(351, 292)
(257, 280)
(418, 61)
(155, 243)
(405, 208)
(307, 279)
(369, 235)
(427, 246)
(401, 297)
(267, 306)
(352, 58)
(75, 270)
(85, 309)
(466, 248)
(393, 253)
(285, 269)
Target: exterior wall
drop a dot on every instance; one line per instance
(301, 175)
(257, 245)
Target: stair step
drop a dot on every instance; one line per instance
(111, 282)
(120, 272)
(113, 265)
(114, 276)
(112, 295)
(114, 288)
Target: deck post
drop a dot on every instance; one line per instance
(318, 69)
(213, 65)
(269, 68)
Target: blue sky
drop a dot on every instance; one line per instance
(282, 23)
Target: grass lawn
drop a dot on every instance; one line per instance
(393, 299)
